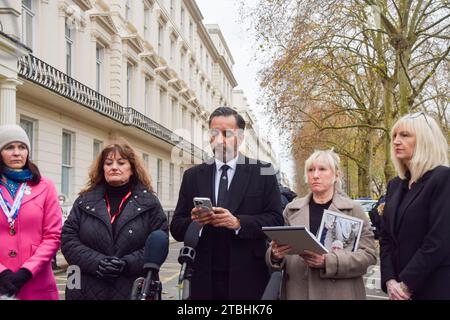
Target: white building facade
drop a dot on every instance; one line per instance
(255, 145)
(79, 74)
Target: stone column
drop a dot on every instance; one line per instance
(8, 88)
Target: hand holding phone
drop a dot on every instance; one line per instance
(202, 211)
(203, 204)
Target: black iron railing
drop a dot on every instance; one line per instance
(43, 74)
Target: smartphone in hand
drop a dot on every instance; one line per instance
(204, 204)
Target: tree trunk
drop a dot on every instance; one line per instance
(365, 167)
(388, 85)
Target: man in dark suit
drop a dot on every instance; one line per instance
(229, 262)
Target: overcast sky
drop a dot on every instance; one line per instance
(241, 42)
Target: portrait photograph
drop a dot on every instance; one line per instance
(339, 231)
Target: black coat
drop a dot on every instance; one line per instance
(87, 237)
(375, 216)
(254, 198)
(415, 241)
(287, 195)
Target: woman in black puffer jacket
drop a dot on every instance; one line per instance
(108, 225)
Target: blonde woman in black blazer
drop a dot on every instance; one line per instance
(415, 246)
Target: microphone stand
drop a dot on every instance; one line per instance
(186, 257)
(146, 289)
(154, 291)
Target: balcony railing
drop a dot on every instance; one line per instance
(43, 74)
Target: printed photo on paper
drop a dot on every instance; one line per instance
(339, 231)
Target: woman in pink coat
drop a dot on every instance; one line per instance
(30, 222)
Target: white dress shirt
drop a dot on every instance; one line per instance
(230, 174)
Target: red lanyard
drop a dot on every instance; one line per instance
(115, 215)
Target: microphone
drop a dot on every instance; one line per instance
(272, 291)
(186, 259)
(155, 253)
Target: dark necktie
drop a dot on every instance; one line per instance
(223, 186)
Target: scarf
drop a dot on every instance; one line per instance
(13, 178)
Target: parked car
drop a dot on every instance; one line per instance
(373, 209)
(367, 205)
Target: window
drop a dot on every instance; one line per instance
(174, 114)
(160, 39)
(183, 118)
(191, 33)
(99, 67)
(147, 23)
(28, 126)
(145, 159)
(208, 96)
(182, 20)
(171, 181)
(162, 104)
(182, 65)
(148, 96)
(172, 8)
(204, 135)
(69, 49)
(172, 50)
(181, 173)
(129, 84)
(159, 178)
(27, 22)
(66, 169)
(191, 75)
(201, 56)
(128, 10)
(97, 147)
(192, 127)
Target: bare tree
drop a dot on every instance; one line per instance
(350, 68)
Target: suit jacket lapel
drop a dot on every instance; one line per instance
(238, 185)
(392, 207)
(408, 198)
(205, 183)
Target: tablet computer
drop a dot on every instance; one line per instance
(298, 237)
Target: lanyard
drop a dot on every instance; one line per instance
(14, 212)
(114, 216)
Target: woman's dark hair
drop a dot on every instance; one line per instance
(226, 112)
(28, 165)
(97, 174)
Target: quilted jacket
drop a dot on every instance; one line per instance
(88, 236)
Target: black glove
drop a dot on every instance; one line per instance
(20, 277)
(110, 267)
(120, 264)
(6, 285)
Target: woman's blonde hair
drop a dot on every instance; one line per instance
(97, 174)
(430, 151)
(330, 157)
